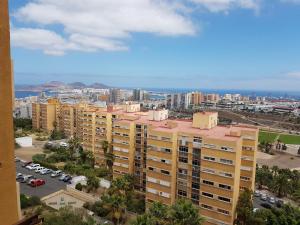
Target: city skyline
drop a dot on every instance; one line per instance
(230, 44)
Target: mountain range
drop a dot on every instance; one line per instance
(57, 85)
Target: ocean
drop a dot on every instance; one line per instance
(276, 94)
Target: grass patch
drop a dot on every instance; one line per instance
(290, 139)
(267, 137)
(285, 138)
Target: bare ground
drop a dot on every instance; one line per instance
(282, 160)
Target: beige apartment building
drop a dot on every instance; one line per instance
(171, 159)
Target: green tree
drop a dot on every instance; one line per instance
(74, 147)
(183, 212)
(108, 155)
(78, 186)
(144, 219)
(159, 213)
(244, 208)
(280, 185)
(92, 183)
(116, 206)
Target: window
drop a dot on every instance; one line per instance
(209, 158)
(206, 170)
(207, 195)
(182, 193)
(197, 139)
(223, 211)
(183, 159)
(183, 149)
(182, 171)
(224, 174)
(224, 186)
(207, 207)
(226, 161)
(196, 152)
(165, 138)
(195, 186)
(194, 196)
(165, 172)
(151, 168)
(224, 199)
(208, 182)
(226, 148)
(196, 162)
(166, 150)
(245, 178)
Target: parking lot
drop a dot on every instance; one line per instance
(52, 184)
(257, 201)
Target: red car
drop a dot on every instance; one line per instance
(37, 182)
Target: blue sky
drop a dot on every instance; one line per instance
(219, 44)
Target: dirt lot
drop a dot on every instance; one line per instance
(28, 152)
(282, 160)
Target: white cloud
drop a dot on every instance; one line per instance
(98, 24)
(226, 5)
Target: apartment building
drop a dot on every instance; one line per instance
(171, 159)
(197, 160)
(9, 190)
(44, 115)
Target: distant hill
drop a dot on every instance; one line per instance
(57, 85)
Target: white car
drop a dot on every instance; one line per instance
(56, 173)
(63, 144)
(33, 166)
(45, 171)
(256, 193)
(263, 197)
(272, 200)
(39, 169)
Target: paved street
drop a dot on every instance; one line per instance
(52, 184)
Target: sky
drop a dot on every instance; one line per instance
(217, 44)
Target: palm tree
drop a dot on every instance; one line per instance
(275, 170)
(116, 205)
(74, 147)
(244, 208)
(183, 212)
(108, 155)
(144, 219)
(281, 185)
(159, 213)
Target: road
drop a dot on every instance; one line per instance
(52, 184)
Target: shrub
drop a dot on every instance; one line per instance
(78, 187)
(29, 201)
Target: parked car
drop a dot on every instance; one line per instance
(37, 182)
(30, 180)
(272, 200)
(67, 178)
(19, 176)
(263, 197)
(56, 173)
(266, 205)
(63, 144)
(39, 169)
(62, 177)
(26, 163)
(45, 171)
(17, 159)
(256, 193)
(26, 178)
(33, 166)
